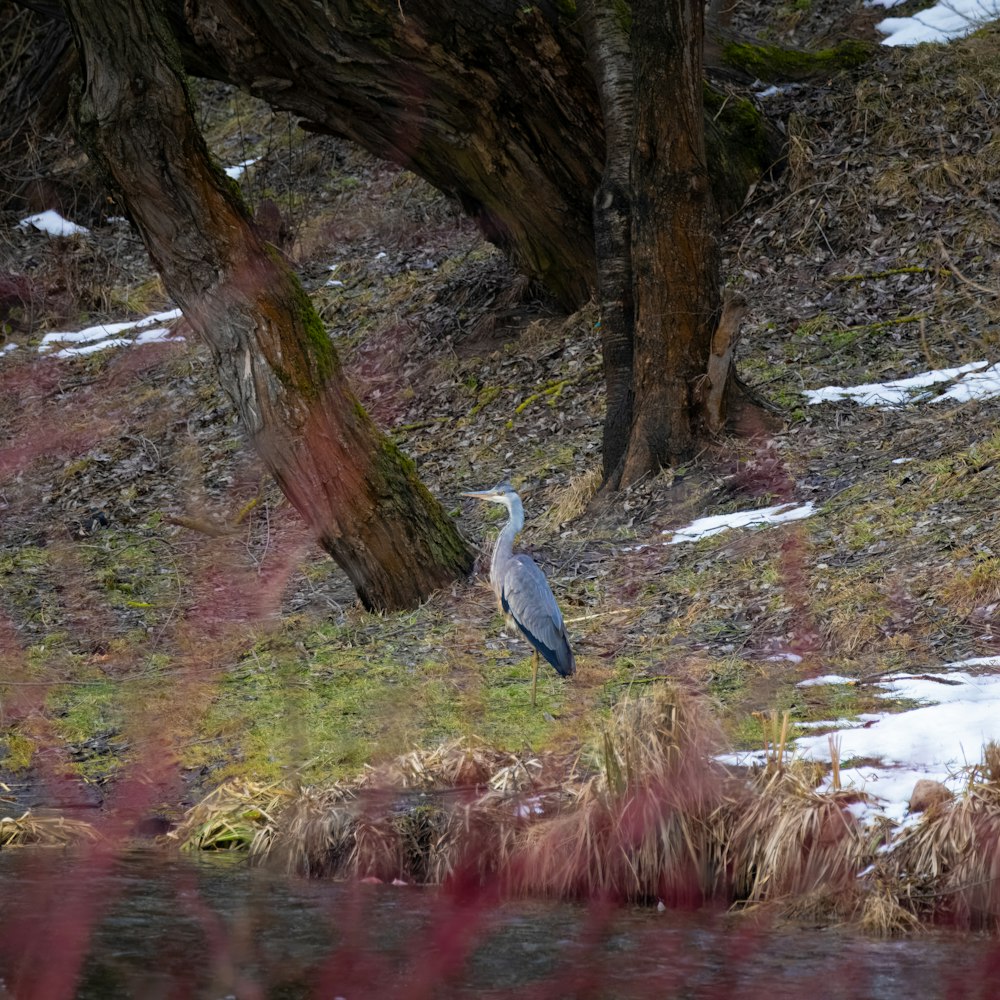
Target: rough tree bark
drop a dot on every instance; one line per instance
(353, 487)
(675, 256)
(523, 111)
(607, 43)
(490, 102)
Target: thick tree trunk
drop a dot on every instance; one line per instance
(675, 255)
(607, 44)
(356, 491)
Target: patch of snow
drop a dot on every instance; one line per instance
(236, 172)
(902, 461)
(743, 758)
(7, 348)
(784, 658)
(332, 283)
(976, 661)
(944, 21)
(906, 390)
(705, 527)
(958, 714)
(75, 352)
(825, 679)
(976, 385)
(104, 335)
(155, 334)
(53, 223)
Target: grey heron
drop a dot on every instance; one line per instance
(523, 593)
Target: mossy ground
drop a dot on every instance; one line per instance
(201, 626)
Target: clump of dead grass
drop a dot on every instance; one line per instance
(648, 815)
(790, 840)
(946, 868)
(423, 817)
(311, 831)
(572, 500)
(455, 764)
(28, 830)
(231, 817)
(645, 825)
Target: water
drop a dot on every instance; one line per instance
(149, 926)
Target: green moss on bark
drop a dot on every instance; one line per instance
(771, 62)
(446, 547)
(741, 147)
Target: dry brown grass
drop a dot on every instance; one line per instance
(790, 840)
(647, 816)
(313, 833)
(946, 869)
(646, 825)
(29, 830)
(231, 817)
(455, 764)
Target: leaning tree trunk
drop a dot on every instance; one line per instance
(675, 255)
(353, 487)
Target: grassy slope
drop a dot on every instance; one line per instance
(229, 643)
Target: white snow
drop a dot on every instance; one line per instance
(151, 336)
(75, 352)
(104, 335)
(825, 679)
(236, 171)
(957, 712)
(945, 20)
(7, 348)
(53, 223)
(704, 527)
(977, 380)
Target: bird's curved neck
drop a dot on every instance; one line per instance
(504, 547)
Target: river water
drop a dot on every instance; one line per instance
(148, 926)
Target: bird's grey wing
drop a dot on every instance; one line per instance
(526, 596)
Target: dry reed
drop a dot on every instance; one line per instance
(43, 831)
(946, 868)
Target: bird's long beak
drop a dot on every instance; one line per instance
(480, 495)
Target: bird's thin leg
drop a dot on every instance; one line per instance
(534, 676)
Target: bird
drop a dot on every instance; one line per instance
(523, 594)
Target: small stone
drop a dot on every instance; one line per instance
(927, 793)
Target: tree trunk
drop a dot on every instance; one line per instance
(355, 490)
(611, 61)
(675, 256)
